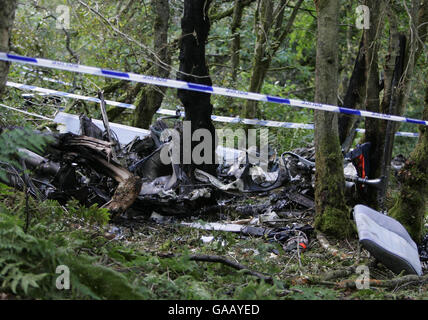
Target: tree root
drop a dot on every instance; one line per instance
(409, 280)
(328, 280)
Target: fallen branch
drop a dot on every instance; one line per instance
(220, 259)
(331, 249)
(389, 284)
(337, 274)
(324, 279)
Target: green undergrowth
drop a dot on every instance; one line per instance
(36, 240)
(105, 268)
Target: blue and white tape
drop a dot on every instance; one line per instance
(26, 112)
(66, 94)
(33, 73)
(264, 123)
(201, 88)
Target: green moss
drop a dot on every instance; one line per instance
(334, 222)
(332, 213)
(409, 209)
(410, 206)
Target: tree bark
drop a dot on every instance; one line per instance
(195, 26)
(236, 42)
(391, 107)
(7, 15)
(332, 215)
(354, 98)
(371, 46)
(410, 206)
(393, 93)
(150, 98)
(269, 29)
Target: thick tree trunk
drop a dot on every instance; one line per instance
(410, 206)
(150, 98)
(7, 15)
(332, 215)
(195, 26)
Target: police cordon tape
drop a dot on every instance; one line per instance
(26, 112)
(66, 94)
(34, 73)
(200, 88)
(265, 123)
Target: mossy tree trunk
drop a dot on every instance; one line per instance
(395, 95)
(7, 15)
(149, 98)
(271, 33)
(236, 41)
(332, 214)
(410, 206)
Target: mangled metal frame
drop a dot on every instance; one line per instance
(82, 167)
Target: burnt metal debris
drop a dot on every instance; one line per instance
(95, 168)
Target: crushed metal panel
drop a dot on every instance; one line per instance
(71, 123)
(387, 240)
(215, 226)
(125, 134)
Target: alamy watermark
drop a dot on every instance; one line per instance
(63, 18)
(363, 280)
(63, 280)
(363, 17)
(198, 147)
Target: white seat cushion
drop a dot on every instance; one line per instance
(387, 240)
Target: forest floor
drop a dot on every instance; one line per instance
(138, 258)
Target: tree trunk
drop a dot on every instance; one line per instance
(396, 94)
(332, 215)
(236, 42)
(391, 108)
(7, 15)
(264, 21)
(195, 26)
(409, 50)
(269, 29)
(150, 98)
(375, 132)
(410, 206)
(353, 99)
